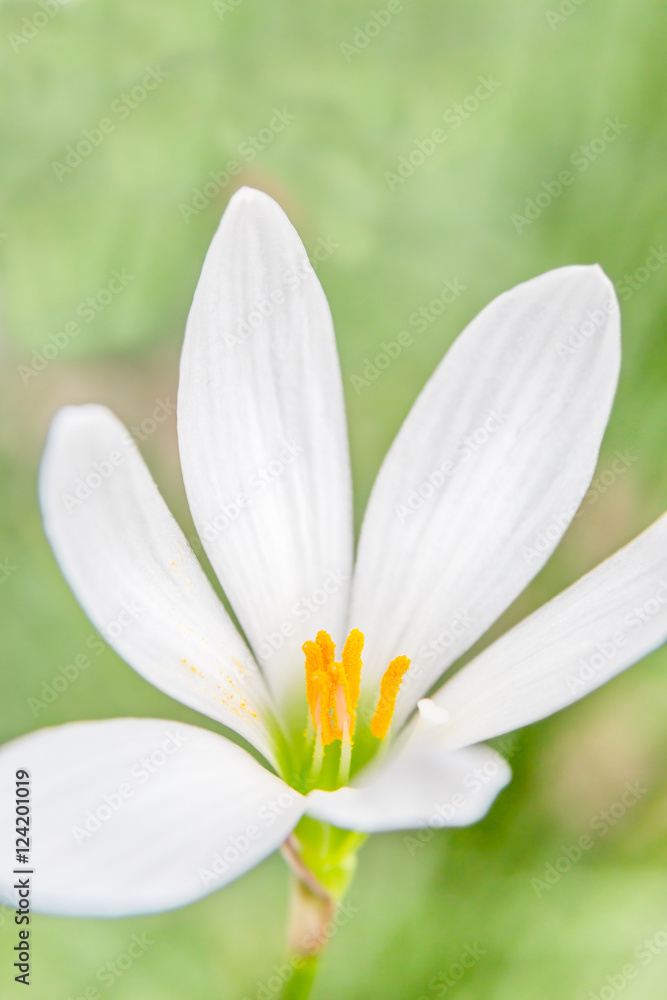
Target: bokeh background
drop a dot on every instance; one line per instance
(358, 99)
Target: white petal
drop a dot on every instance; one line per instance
(502, 443)
(137, 578)
(420, 783)
(138, 815)
(608, 620)
(263, 438)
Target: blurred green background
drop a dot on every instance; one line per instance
(361, 98)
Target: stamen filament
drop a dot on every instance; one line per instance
(318, 754)
(345, 757)
(345, 732)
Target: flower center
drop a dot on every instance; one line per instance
(332, 691)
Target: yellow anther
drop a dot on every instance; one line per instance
(313, 666)
(389, 686)
(328, 691)
(319, 691)
(323, 706)
(332, 690)
(328, 647)
(352, 666)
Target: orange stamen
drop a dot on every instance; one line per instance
(389, 686)
(318, 691)
(313, 666)
(352, 666)
(332, 689)
(328, 647)
(323, 709)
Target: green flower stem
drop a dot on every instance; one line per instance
(311, 908)
(301, 983)
(322, 860)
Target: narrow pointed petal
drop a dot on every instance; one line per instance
(263, 437)
(136, 577)
(486, 473)
(138, 815)
(608, 620)
(421, 783)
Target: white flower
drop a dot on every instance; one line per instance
(136, 815)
